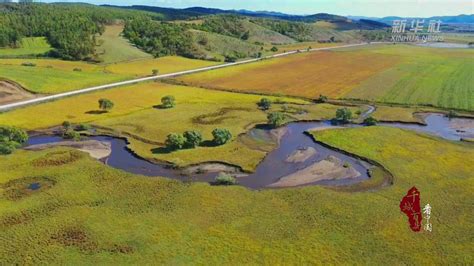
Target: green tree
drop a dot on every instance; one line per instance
(322, 98)
(221, 136)
(105, 104)
(66, 125)
(175, 141)
(370, 121)
(168, 101)
(224, 179)
(8, 147)
(193, 139)
(76, 136)
(230, 58)
(276, 119)
(264, 103)
(451, 114)
(343, 115)
(13, 134)
(274, 49)
(11, 138)
(245, 36)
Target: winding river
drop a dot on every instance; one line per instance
(276, 165)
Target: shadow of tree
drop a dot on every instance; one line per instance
(160, 106)
(264, 127)
(161, 150)
(208, 144)
(96, 112)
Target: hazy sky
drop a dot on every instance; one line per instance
(380, 8)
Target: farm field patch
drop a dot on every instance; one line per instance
(401, 74)
(427, 76)
(302, 46)
(306, 75)
(196, 221)
(29, 46)
(114, 48)
(50, 76)
(50, 80)
(167, 64)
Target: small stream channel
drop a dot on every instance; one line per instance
(275, 165)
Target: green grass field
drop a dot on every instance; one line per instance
(55, 76)
(32, 46)
(458, 37)
(51, 76)
(114, 48)
(92, 214)
(425, 76)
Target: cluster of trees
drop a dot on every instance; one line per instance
(70, 132)
(229, 25)
(274, 119)
(160, 38)
(192, 139)
(376, 35)
(343, 116)
(11, 138)
(296, 30)
(71, 29)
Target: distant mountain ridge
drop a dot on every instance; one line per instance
(195, 12)
(459, 19)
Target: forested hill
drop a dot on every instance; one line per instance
(69, 28)
(199, 12)
(212, 34)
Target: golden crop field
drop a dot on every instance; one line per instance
(307, 75)
(167, 64)
(401, 74)
(301, 46)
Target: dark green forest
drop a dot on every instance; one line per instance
(159, 38)
(69, 28)
(296, 30)
(229, 25)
